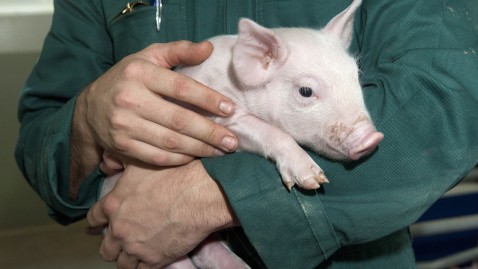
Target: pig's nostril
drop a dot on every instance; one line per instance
(359, 154)
(366, 145)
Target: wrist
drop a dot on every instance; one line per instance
(212, 211)
(85, 153)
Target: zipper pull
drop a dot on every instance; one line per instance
(131, 5)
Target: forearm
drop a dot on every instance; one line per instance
(47, 104)
(198, 188)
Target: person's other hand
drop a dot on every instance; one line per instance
(126, 113)
(155, 215)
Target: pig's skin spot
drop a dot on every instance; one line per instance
(335, 130)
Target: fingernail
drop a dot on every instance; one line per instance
(226, 107)
(229, 143)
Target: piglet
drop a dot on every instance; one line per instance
(291, 86)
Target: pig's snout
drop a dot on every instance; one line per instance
(367, 141)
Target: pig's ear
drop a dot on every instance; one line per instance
(341, 26)
(257, 54)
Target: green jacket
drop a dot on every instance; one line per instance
(420, 78)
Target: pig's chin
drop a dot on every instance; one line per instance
(330, 151)
(336, 154)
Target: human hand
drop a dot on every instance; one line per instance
(157, 215)
(126, 112)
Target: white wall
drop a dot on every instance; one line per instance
(25, 6)
(23, 24)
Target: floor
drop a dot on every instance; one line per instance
(51, 247)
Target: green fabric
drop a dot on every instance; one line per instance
(393, 251)
(420, 78)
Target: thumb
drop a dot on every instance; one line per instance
(177, 53)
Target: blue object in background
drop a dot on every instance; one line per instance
(433, 247)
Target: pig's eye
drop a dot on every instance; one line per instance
(305, 91)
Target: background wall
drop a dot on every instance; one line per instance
(23, 28)
(28, 237)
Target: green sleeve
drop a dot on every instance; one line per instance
(75, 53)
(420, 75)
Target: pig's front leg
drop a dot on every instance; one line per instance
(293, 163)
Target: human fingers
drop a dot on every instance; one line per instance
(110, 248)
(129, 94)
(153, 155)
(177, 53)
(179, 87)
(126, 261)
(188, 123)
(152, 114)
(96, 217)
(185, 89)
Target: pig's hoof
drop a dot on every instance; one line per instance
(304, 172)
(313, 181)
(321, 178)
(289, 184)
(310, 184)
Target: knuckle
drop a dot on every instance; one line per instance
(160, 159)
(117, 121)
(210, 101)
(213, 132)
(136, 249)
(118, 230)
(105, 255)
(132, 69)
(171, 142)
(179, 120)
(120, 144)
(124, 98)
(110, 205)
(179, 88)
